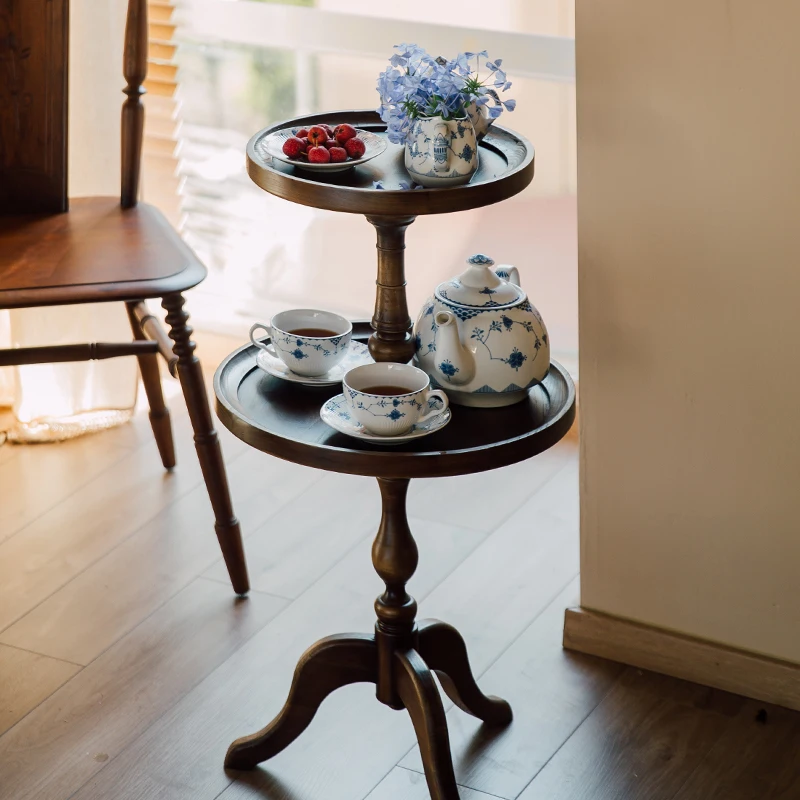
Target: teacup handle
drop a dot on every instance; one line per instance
(267, 348)
(433, 410)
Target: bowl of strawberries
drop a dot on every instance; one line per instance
(324, 148)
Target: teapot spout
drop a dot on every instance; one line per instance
(455, 364)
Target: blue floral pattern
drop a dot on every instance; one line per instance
(448, 369)
(298, 346)
(516, 358)
(377, 404)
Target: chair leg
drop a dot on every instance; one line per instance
(159, 413)
(206, 442)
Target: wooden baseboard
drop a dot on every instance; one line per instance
(707, 663)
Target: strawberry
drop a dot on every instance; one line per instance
(355, 147)
(317, 135)
(338, 154)
(294, 147)
(342, 133)
(318, 155)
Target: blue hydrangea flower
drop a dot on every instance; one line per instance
(415, 84)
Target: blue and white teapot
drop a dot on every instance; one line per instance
(480, 339)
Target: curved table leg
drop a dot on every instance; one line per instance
(443, 650)
(332, 662)
(419, 694)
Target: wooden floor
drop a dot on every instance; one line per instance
(127, 666)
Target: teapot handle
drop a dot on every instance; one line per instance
(507, 273)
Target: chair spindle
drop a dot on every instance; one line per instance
(134, 68)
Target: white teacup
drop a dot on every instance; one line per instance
(388, 399)
(308, 341)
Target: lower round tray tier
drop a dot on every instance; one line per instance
(283, 419)
(506, 162)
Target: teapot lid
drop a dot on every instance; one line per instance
(479, 286)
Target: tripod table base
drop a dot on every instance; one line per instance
(353, 658)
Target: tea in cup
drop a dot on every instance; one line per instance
(388, 399)
(308, 341)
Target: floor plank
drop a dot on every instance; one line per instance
(463, 500)
(403, 784)
(515, 574)
(26, 679)
(758, 758)
(299, 544)
(551, 692)
(60, 544)
(640, 743)
(118, 591)
(41, 476)
(7, 451)
(88, 722)
(354, 739)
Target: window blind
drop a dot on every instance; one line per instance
(162, 183)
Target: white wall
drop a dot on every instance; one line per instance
(689, 279)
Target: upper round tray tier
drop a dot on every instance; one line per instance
(506, 168)
(282, 419)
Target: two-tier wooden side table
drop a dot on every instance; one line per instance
(282, 419)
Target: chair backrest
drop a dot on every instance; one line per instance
(34, 54)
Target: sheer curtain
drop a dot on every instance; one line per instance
(57, 401)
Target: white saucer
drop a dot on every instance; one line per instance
(357, 355)
(336, 414)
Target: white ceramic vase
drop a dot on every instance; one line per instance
(441, 153)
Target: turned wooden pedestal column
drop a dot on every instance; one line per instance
(392, 340)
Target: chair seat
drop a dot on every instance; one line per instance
(95, 252)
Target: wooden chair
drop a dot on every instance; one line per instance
(101, 249)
